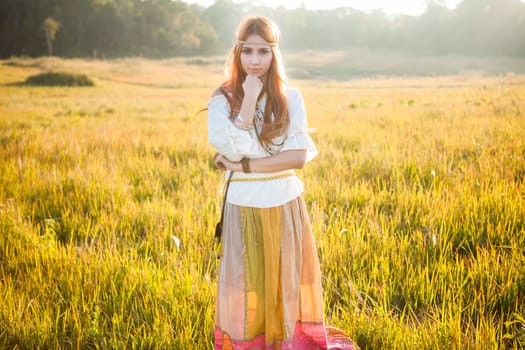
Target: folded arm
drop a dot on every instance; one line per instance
(286, 160)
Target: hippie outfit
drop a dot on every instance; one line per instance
(269, 293)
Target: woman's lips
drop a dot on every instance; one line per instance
(254, 71)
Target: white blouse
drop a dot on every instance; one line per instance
(236, 143)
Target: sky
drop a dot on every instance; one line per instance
(391, 7)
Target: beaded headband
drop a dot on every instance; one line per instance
(241, 42)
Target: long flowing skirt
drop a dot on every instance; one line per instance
(269, 290)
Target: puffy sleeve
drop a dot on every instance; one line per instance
(227, 139)
(298, 137)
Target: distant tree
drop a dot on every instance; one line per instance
(491, 27)
(432, 32)
(209, 41)
(224, 15)
(51, 28)
(184, 26)
(163, 28)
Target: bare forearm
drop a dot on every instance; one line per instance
(252, 87)
(248, 109)
(293, 159)
(287, 160)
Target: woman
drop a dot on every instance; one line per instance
(269, 288)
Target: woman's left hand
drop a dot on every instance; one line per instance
(224, 163)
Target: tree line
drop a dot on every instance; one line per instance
(166, 28)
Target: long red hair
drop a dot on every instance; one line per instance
(274, 87)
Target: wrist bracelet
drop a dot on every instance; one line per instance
(245, 162)
(240, 123)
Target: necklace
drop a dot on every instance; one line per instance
(274, 146)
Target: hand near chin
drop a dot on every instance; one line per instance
(252, 86)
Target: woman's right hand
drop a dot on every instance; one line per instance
(252, 86)
(217, 161)
(223, 163)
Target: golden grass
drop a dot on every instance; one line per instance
(108, 202)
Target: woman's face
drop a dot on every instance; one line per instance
(256, 56)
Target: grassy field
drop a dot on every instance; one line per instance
(355, 62)
(108, 202)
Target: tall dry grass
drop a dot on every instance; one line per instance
(108, 201)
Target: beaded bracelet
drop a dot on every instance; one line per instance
(241, 124)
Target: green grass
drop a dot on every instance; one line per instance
(59, 79)
(417, 202)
